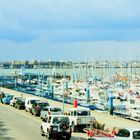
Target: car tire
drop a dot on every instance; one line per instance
(41, 131)
(18, 107)
(31, 111)
(68, 137)
(73, 127)
(35, 114)
(25, 109)
(48, 135)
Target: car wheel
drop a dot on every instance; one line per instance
(68, 137)
(48, 135)
(41, 131)
(73, 127)
(31, 111)
(35, 113)
(64, 126)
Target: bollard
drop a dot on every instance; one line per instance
(75, 103)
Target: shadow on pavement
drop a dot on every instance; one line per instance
(3, 132)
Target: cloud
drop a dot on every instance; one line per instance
(28, 20)
(74, 29)
(40, 49)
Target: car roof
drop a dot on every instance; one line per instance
(52, 107)
(17, 97)
(7, 94)
(32, 98)
(58, 116)
(131, 129)
(38, 101)
(79, 109)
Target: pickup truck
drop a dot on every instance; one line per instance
(80, 118)
(56, 126)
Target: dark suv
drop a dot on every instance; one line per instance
(37, 107)
(20, 103)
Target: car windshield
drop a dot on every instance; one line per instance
(9, 96)
(58, 120)
(123, 133)
(18, 98)
(33, 101)
(82, 113)
(55, 109)
(43, 104)
(136, 134)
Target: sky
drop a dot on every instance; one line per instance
(69, 30)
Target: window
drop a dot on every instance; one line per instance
(132, 101)
(71, 113)
(82, 113)
(74, 113)
(55, 121)
(55, 109)
(45, 109)
(136, 134)
(32, 101)
(49, 120)
(43, 104)
(58, 120)
(45, 119)
(123, 133)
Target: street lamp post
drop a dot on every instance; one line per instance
(63, 96)
(63, 81)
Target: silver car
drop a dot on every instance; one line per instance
(50, 110)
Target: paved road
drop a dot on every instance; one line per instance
(20, 125)
(110, 121)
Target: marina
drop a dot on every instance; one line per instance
(115, 92)
(70, 70)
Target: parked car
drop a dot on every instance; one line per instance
(1, 96)
(7, 98)
(50, 110)
(20, 103)
(37, 107)
(128, 134)
(123, 134)
(56, 126)
(14, 99)
(29, 102)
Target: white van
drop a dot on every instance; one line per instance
(29, 102)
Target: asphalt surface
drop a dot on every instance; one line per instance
(12, 115)
(19, 125)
